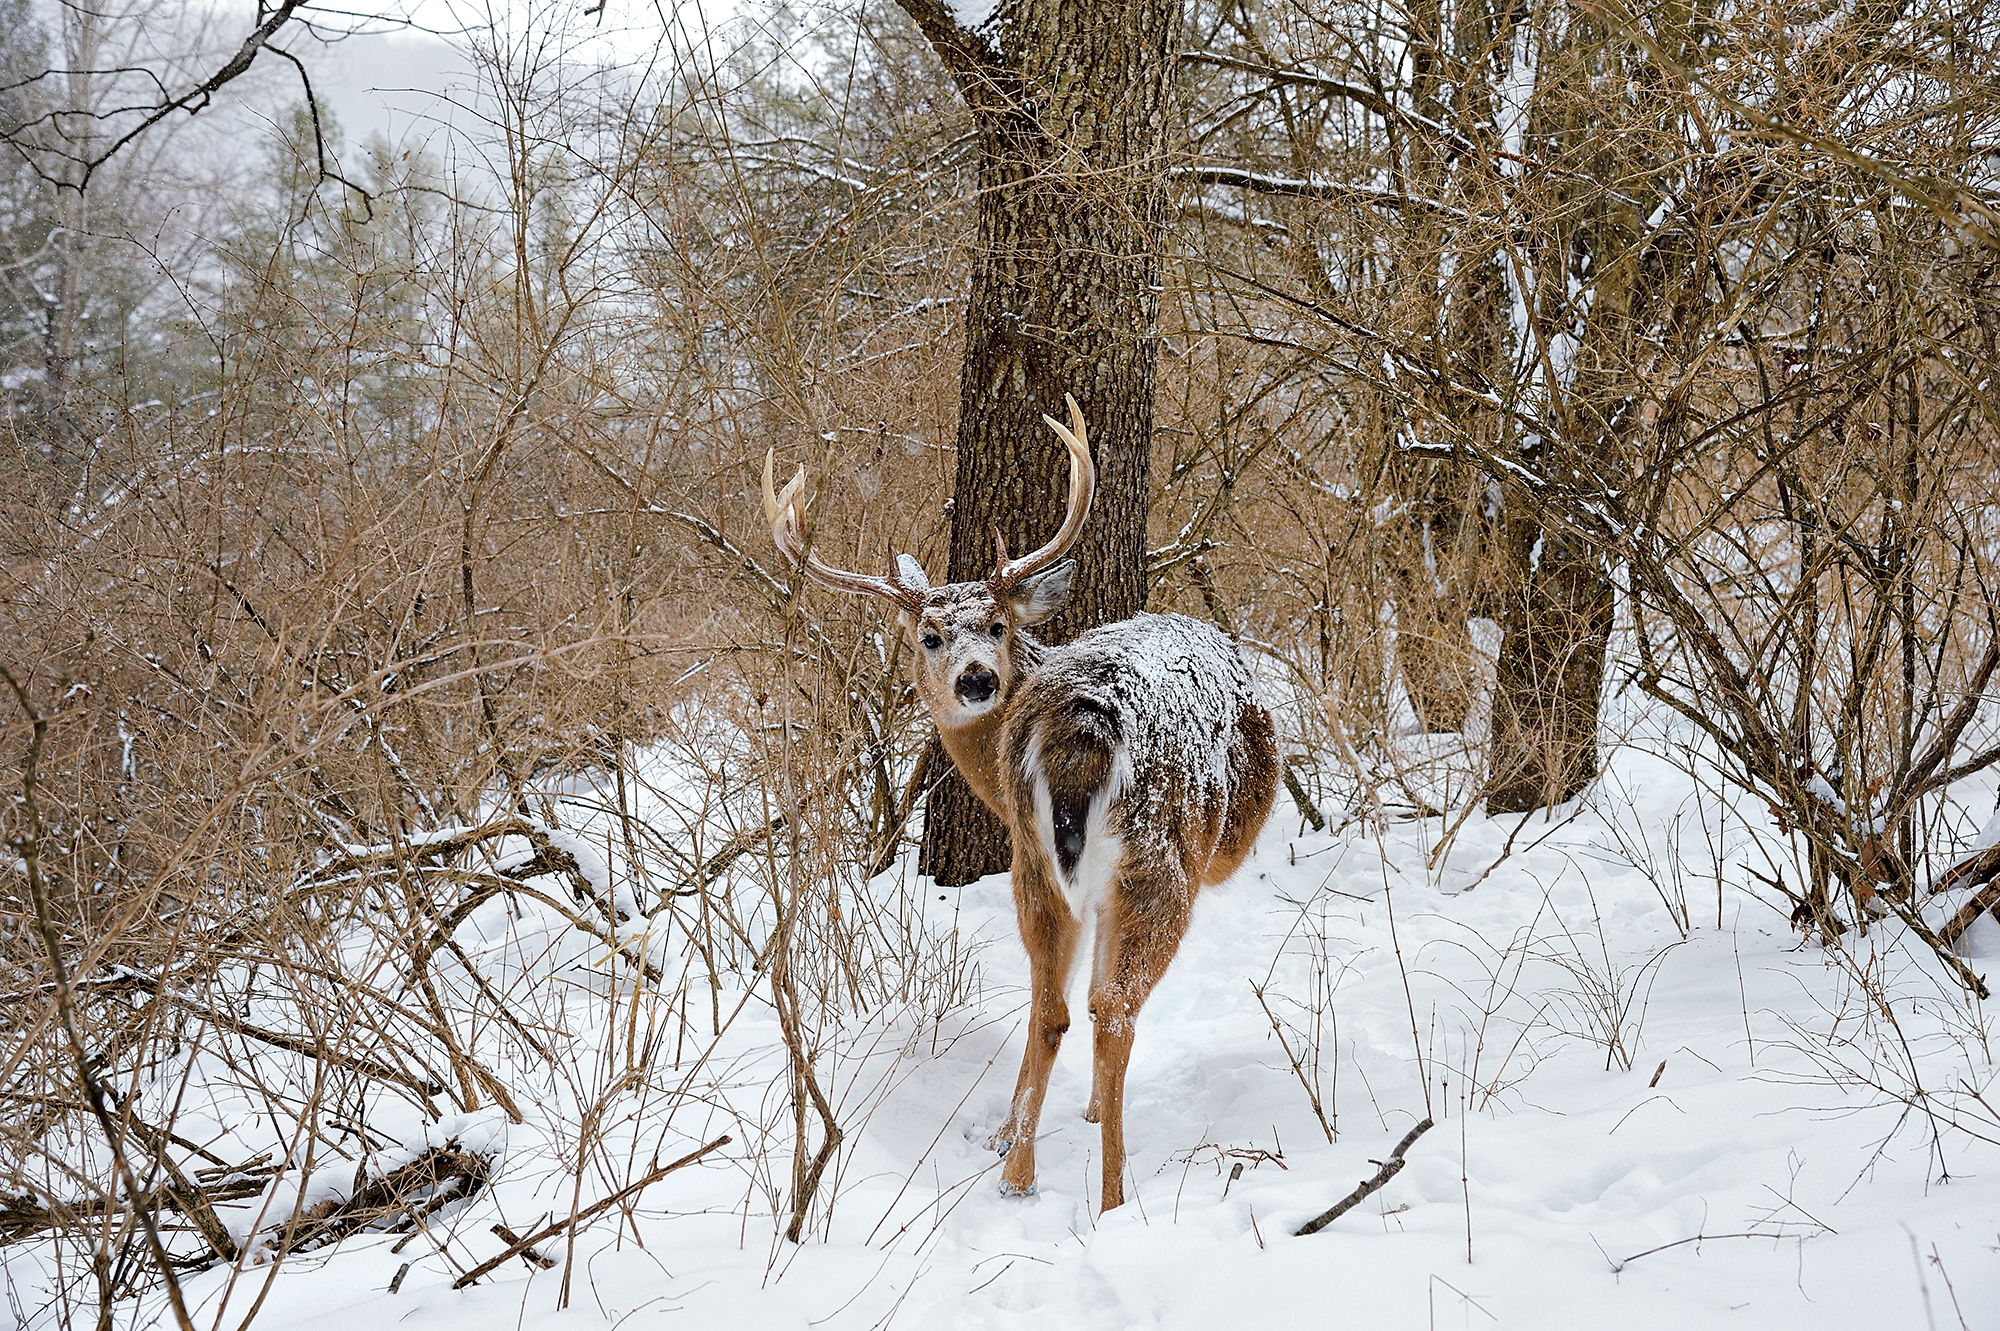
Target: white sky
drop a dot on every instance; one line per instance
(389, 80)
(388, 77)
(385, 84)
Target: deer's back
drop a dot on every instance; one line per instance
(1154, 720)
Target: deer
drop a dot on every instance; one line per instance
(1133, 766)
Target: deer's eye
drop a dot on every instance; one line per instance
(999, 630)
(932, 641)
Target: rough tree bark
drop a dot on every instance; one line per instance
(1071, 100)
(1599, 288)
(1551, 670)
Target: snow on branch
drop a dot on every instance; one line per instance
(1331, 191)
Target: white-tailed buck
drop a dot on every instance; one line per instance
(1133, 767)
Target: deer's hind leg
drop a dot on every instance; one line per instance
(1048, 931)
(1139, 926)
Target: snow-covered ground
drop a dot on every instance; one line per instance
(1606, 1090)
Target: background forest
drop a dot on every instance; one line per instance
(424, 777)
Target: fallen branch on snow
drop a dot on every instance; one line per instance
(1981, 870)
(590, 1212)
(1389, 1169)
(400, 1199)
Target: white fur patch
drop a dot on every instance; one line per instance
(953, 712)
(1103, 849)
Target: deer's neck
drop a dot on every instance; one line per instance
(975, 746)
(975, 751)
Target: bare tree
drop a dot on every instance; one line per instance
(1518, 231)
(1071, 105)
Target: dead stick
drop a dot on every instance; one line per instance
(589, 1212)
(1977, 868)
(1692, 1238)
(1987, 898)
(1390, 1168)
(528, 1253)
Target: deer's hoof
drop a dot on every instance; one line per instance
(1009, 1190)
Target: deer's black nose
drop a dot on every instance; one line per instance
(976, 684)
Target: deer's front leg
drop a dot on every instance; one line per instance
(1048, 931)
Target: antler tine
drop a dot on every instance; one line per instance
(785, 511)
(1082, 485)
(778, 512)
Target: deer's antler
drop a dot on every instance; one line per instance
(785, 511)
(1082, 485)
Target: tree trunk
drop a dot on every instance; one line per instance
(1072, 109)
(62, 344)
(1461, 308)
(1550, 672)
(65, 298)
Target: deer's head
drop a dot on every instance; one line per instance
(964, 634)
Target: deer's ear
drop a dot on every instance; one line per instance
(1040, 596)
(912, 573)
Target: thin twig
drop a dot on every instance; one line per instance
(1695, 1238)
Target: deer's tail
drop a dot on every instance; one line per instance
(1079, 752)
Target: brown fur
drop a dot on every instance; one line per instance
(974, 749)
(1253, 779)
